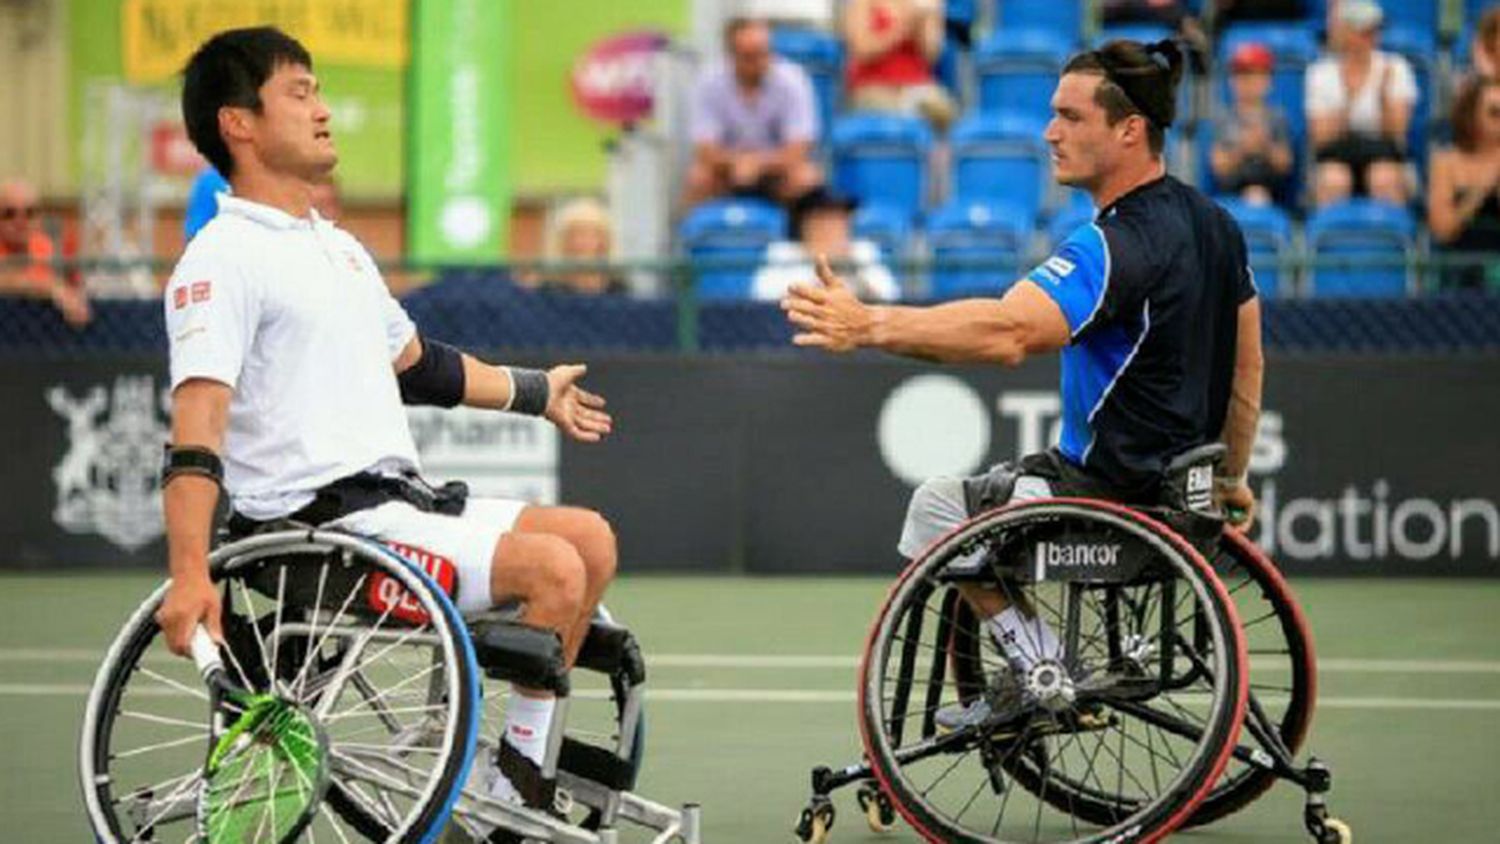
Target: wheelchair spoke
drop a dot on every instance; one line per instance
(260, 640)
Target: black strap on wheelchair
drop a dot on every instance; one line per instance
(364, 490)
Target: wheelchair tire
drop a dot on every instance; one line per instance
(1016, 767)
(1283, 672)
(134, 778)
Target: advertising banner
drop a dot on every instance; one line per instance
(792, 465)
(459, 139)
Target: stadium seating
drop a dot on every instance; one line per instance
(882, 158)
(1063, 19)
(1069, 219)
(1374, 237)
(977, 248)
(728, 239)
(1417, 46)
(1000, 157)
(1418, 16)
(822, 56)
(1017, 70)
(1268, 239)
(889, 228)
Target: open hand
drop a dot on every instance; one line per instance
(829, 315)
(578, 412)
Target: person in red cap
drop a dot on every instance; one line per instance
(1252, 152)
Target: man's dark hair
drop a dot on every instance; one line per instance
(1466, 111)
(228, 70)
(1138, 79)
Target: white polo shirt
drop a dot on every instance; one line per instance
(293, 314)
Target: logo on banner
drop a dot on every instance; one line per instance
(615, 80)
(107, 481)
(499, 455)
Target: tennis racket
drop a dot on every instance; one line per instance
(267, 766)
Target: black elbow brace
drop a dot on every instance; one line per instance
(437, 378)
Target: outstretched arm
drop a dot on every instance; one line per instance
(1023, 322)
(465, 379)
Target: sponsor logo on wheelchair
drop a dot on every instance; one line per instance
(386, 594)
(1066, 558)
(107, 482)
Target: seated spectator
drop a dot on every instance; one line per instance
(26, 255)
(1359, 105)
(581, 232)
(822, 228)
(754, 122)
(892, 46)
(1252, 152)
(1463, 195)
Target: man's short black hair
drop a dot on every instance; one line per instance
(228, 70)
(1138, 79)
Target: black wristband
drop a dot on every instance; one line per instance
(530, 391)
(191, 460)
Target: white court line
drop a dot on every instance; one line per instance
(801, 696)
(1326, 665)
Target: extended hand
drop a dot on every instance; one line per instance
(829, 314)
(579, 413)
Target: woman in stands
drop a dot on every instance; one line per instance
(1359, 105)
(892, 46)
(1463, 196)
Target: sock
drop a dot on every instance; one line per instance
(1025, 641)
(527, 721)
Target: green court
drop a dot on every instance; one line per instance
(752, 683)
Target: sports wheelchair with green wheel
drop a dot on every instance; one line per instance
(1182, 690)
(362, 648)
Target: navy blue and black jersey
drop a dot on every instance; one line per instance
(1151, 291)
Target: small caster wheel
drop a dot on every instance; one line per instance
(1336, 831)
(879, 813)
(815, 822)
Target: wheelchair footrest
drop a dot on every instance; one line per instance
(519, 653)
(596, 764)
(611, 649)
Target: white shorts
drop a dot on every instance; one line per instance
(467, 541)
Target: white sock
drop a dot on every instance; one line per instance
(527, 722)
(1026, 641)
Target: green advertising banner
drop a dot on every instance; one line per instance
(458, 201)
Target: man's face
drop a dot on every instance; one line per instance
(291, 134)
(17, 213)
(1084, 146)
(750, 50)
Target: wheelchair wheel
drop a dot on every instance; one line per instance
(1118, 738)
(1283, 672)
(342, 625)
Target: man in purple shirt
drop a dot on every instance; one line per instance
(754, 122)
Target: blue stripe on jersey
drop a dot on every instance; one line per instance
(1076, 277)
(1088, 369)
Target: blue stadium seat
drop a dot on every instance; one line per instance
(889, 228)
(1069, 219)
(1418, 15)
(821, 54)
(1376, 237)
(986, 243)
(1295, 47)
(1063, 18)
(1268, 239)
(730, 237)
(882, 158)
(1000, 157)
(1017, 70)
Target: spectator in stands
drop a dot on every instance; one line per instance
(581, 232)
(1463, 195)
(1252, 152)
(754, 122)
(822, 227)
(1359, 105)
(26, 255)
(892, 46)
